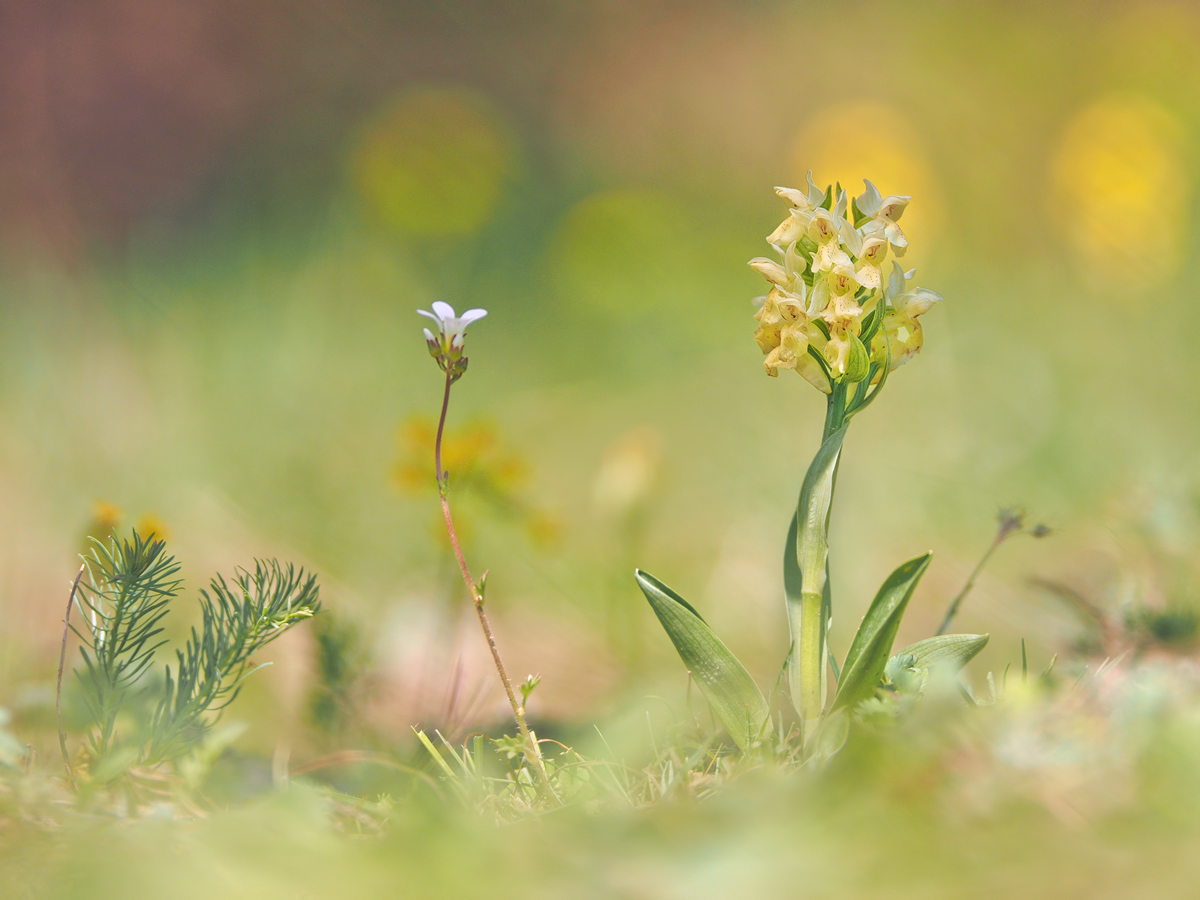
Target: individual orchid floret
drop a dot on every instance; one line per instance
(834, 295)
(446, 347)
(883, 214)
(800, 200)
(803, 205)
(846, 354)
(790, 230)
(869, 268)
(788, 275)
(904, 334)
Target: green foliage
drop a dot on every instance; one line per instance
(723, 680)
(872, 644)
(805, 574)
(951, 650)
(1175, 626)
(341, 660)
(237, 620)
(128, 592)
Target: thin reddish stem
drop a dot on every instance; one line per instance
(62, 662)
(532, 752)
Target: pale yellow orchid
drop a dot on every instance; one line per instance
(905, 336)
(868, 271)
(834, 300)
(795, 226)
(823, 228)
(883, 214)
(810, 370)
(787, 275)
(846, 354)
(791, 350)
(824, 315)
(790, 230)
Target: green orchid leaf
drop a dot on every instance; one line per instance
(872, 644)
(724, 681)
(806, 579)
(949, 650)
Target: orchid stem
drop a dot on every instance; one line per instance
(533, 753)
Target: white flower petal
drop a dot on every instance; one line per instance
(429, 335)
(870, 200)
(839, 208)
(896, 281)
(896, 237)
(851, 238)
(789, 231)
(472, 315)
(442, 309)
(793, 261)
(892, 208)
(793, 196)
(815, 194)
(868, 277)
(428, 314)
(770, 270)
(920, 301)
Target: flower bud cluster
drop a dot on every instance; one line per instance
(446, 347)
(830, 314)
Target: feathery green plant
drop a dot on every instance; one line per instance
(128, 591)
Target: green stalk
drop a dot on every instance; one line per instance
(811, 686)
(806, 570)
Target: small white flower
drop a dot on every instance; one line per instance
(449, 325)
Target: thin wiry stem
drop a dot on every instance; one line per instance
(1011, 522)
(62, 662)
(532, 752)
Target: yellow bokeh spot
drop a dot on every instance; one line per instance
(434, 163)
(1121, 190)
(150, 526)
(853, 141)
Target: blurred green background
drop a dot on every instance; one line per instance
(217, 221)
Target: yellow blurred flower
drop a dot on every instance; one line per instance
(151, 526)
(628, 472)
(478, 466)
(1121, 191)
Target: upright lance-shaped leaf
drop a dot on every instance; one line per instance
(872, 644)
(952, 651)
(724, 681)
(806, 582)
